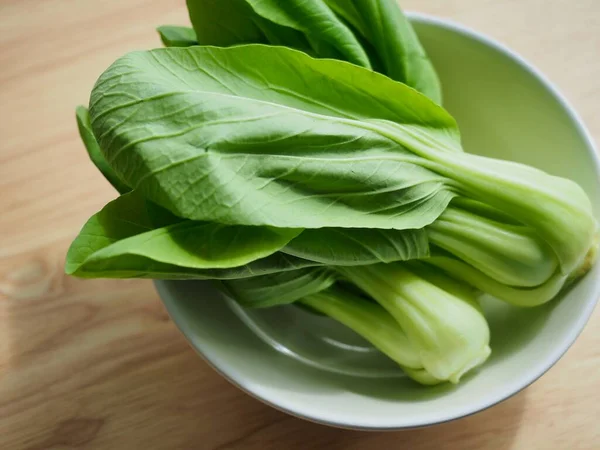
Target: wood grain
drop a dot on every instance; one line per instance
(98, 365)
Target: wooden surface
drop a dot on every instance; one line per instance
(97, 364)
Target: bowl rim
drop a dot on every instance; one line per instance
(558, 352)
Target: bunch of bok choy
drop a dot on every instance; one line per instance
(287, 149)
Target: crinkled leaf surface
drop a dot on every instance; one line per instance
(223, 22)
(130, 237)
(234, 22)
(349, 246)
(279, 288)
(384, 26)
(315, 19)
(91, 145)
(260, 135)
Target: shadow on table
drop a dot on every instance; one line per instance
(98, 364)
(498, 425)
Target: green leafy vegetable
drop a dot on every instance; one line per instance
(314, 288)
(279, 288)
(369, 33)
(241, 158)
(448, 330)
(511, 254)
(87, 136)
(242, 22)
(346, 246)
(316, 143)
(435, 332)
(176, 36)
(224, 23)
(518, 296)
(556, 208)
(289, 153)
(384, 26)
(373, 323)
(128, 233)
(233, 22)
(317, 21)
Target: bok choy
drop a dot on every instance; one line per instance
(370, 33)
(433, 328)
(297, 153)
(308, 143)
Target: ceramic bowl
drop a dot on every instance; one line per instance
(313, 368)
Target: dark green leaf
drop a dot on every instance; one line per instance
(348, 246)
(317, 22)
(279, 288)
(176, 36)
(383, 24)
(135, 266)
(315, 143)
(224, 22)
(234, 22)
(277, 35)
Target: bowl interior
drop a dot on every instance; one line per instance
(310, 367)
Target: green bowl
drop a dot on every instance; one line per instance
(314, 368)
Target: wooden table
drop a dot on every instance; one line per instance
(98, 364)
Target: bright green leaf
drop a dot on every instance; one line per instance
(309, 143)
(124, 234)
(298, 155)
(351, 247)
(223, 22)
(317, 21)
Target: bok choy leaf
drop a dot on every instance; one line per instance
(177, 36)
(369, 33)
(131, 237)
(384, 26)
(316, 143)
